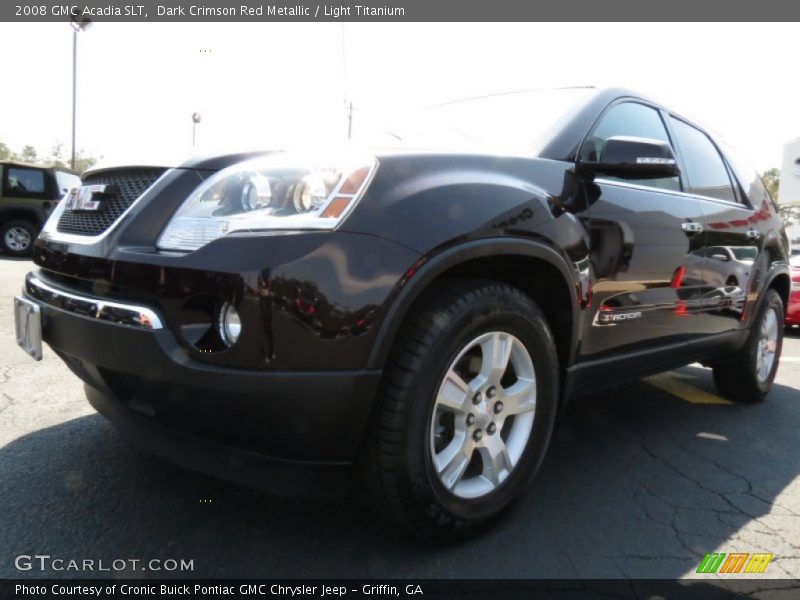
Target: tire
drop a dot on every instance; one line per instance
(401, 477)
(17, 237)
(739, 378)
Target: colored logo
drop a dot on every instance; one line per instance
(734, 562)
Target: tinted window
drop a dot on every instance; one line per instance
(25, 180)
(629, 119)
(705, 169)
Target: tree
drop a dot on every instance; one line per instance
(29, 154)
(57, 156)
(56, 159)
(84, 163)
(772, 178)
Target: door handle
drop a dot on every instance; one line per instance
(692, 227)
(752, 234)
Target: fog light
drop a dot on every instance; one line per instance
(229, 324)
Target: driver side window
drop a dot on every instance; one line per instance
(629, 119)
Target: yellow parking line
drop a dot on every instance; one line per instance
(672, 384)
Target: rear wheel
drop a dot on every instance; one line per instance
(17, 237)
(467, 410)
(748, 375)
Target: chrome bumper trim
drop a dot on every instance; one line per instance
(102, 310)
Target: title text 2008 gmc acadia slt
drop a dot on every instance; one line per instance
(414, 317)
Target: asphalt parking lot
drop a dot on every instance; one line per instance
(642, 481)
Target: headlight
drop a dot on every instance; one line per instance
(272, 192)
(256, 193)
(309, 194)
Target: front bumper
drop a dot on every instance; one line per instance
(252, 469)
(263, 428)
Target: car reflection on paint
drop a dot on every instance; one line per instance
(730, 265)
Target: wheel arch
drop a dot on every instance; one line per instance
(781, 283)
(26, 213)
(778, 276)
(555, 288)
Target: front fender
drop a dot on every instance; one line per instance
(428, 268)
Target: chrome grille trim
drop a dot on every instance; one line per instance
(50, 231)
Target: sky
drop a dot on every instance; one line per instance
(258, 85)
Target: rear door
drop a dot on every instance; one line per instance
(732, 236)
(646, 248)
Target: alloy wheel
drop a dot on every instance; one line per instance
(17, 239)
(767, 345)
(483, 414)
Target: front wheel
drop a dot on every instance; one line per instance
(749, 374)
(467, 409)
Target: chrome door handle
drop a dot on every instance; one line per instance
(692, 227)
(752, 234)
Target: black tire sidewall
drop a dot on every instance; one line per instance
(29, 227)
(503, 311)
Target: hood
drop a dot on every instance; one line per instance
(198, 162)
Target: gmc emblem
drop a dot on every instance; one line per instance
(84, 197)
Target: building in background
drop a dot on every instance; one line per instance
(789, 188)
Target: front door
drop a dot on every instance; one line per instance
(646, 237)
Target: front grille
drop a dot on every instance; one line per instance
(129, 185)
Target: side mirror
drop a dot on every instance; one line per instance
(720, 257)
(633, 158)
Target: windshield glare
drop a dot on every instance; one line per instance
(517, 123)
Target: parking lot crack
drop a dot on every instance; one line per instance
(9, 401)
(640, 441)
(790, 511)
(671, 522)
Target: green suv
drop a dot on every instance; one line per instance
(27, 195)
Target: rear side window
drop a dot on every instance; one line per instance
(23, 180)
(748, 177)
(629, 119)
(704, 166)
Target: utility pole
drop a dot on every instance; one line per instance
(350, 121)
(348, 104)
(78, 25)
(195, 121)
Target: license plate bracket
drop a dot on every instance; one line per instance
(28, 324)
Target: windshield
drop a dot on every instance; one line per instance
(518, 123)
